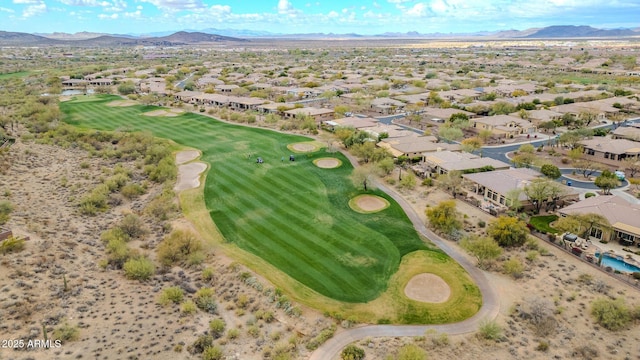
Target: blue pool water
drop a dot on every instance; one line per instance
(617, 264)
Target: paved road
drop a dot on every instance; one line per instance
(490, 302)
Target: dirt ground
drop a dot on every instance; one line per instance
(427, 288)
(561, 282)
(118, 318)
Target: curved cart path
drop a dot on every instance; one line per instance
(490, 304)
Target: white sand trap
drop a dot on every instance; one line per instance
(302, 147)
(122, 103)
(427, 288)
(368, 203)
(186, 156)
(327, 163)
(189, 175)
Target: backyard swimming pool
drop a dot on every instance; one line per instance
(617, 264)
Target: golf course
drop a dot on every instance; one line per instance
(291, 221)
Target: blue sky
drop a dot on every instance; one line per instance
(292, 16)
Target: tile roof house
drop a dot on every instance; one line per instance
(413, 147)
(317, 114)
(613, 149)
(495, 186)
(441, 162)
(623, 216)
(626, 132)
(503, 125)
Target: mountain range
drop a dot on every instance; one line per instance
(212, 35)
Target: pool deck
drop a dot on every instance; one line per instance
(614, 249)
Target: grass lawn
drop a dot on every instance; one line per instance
(292, 219)
(541, 223)
(14, 75)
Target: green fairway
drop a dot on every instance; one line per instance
(294, 215)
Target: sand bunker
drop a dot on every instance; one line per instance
(327, 163)
(368, 203)
(122, 103)
(164, 112)
(186, 156)
(189, 175)
(427, 288)
(304, 147)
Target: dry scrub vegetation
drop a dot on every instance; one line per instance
(112, 269)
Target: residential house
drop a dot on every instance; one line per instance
(613, 149)
(355, 122)
(495, 186)
(304, 92)
(441, 162)
(225, 88)
(626, 132)
(386, 105)
(187, 96)
(624, 218)
(503, 125)
(317, 114)
(441, 115)
(245, 103)
(543, 115)
(415, 146)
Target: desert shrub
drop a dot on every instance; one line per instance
(116, 182)
(5, 210)
(408, 181)
(531, 256)
(233, 334)
(427, 182)
(139, 268)
(205, 301)
(117, 252)
(201, 343)
(188, 307)
(178, 246)
(162, 207)
(115, 233)
(481, 223)
(208, 273)
(542, 346)
(321, 338)
(352, 352)
(165, 170)
(490, 330)
(588, 195)
(513, 267)
(613, 315)
(213, 353)
(585, 352)
(437, 339)
(411, 352)
(169, 295)
(253, 331)
(216, 328)
(66, 332)
(132, 191)
(196, 258)
(485, 249)
(133, 226)
(11, 245)
(95, 201)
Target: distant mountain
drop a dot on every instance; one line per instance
(571, 31)
(83, 35)
(176, 39)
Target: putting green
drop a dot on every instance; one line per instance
(294, 215)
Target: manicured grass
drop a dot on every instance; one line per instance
(293, 215)
(14, 75)
(541, 223)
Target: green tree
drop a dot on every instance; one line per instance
(450, 133)
(524, 159)
(607, 181)
(508, 231)
(485, 249)
(632, 166)
(451, 181)
(512, 199)
(502, 108)
(444, 217)
(567, 223)
(551, 171)
(127, 88)
(471, 144)
(352, 352)
(363, 176)
(613, 315)
(541, 191)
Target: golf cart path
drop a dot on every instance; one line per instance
(490, 304)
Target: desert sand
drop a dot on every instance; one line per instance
(369, 203)
(327, 163)
(427, 288)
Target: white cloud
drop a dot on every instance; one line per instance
(108, 17)
(397, 1)
(7, 10)
(27, 1)
(418, 10)
(220, 9)
(133, 15)
(285, 7)
(33, 10)
(177, 5)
